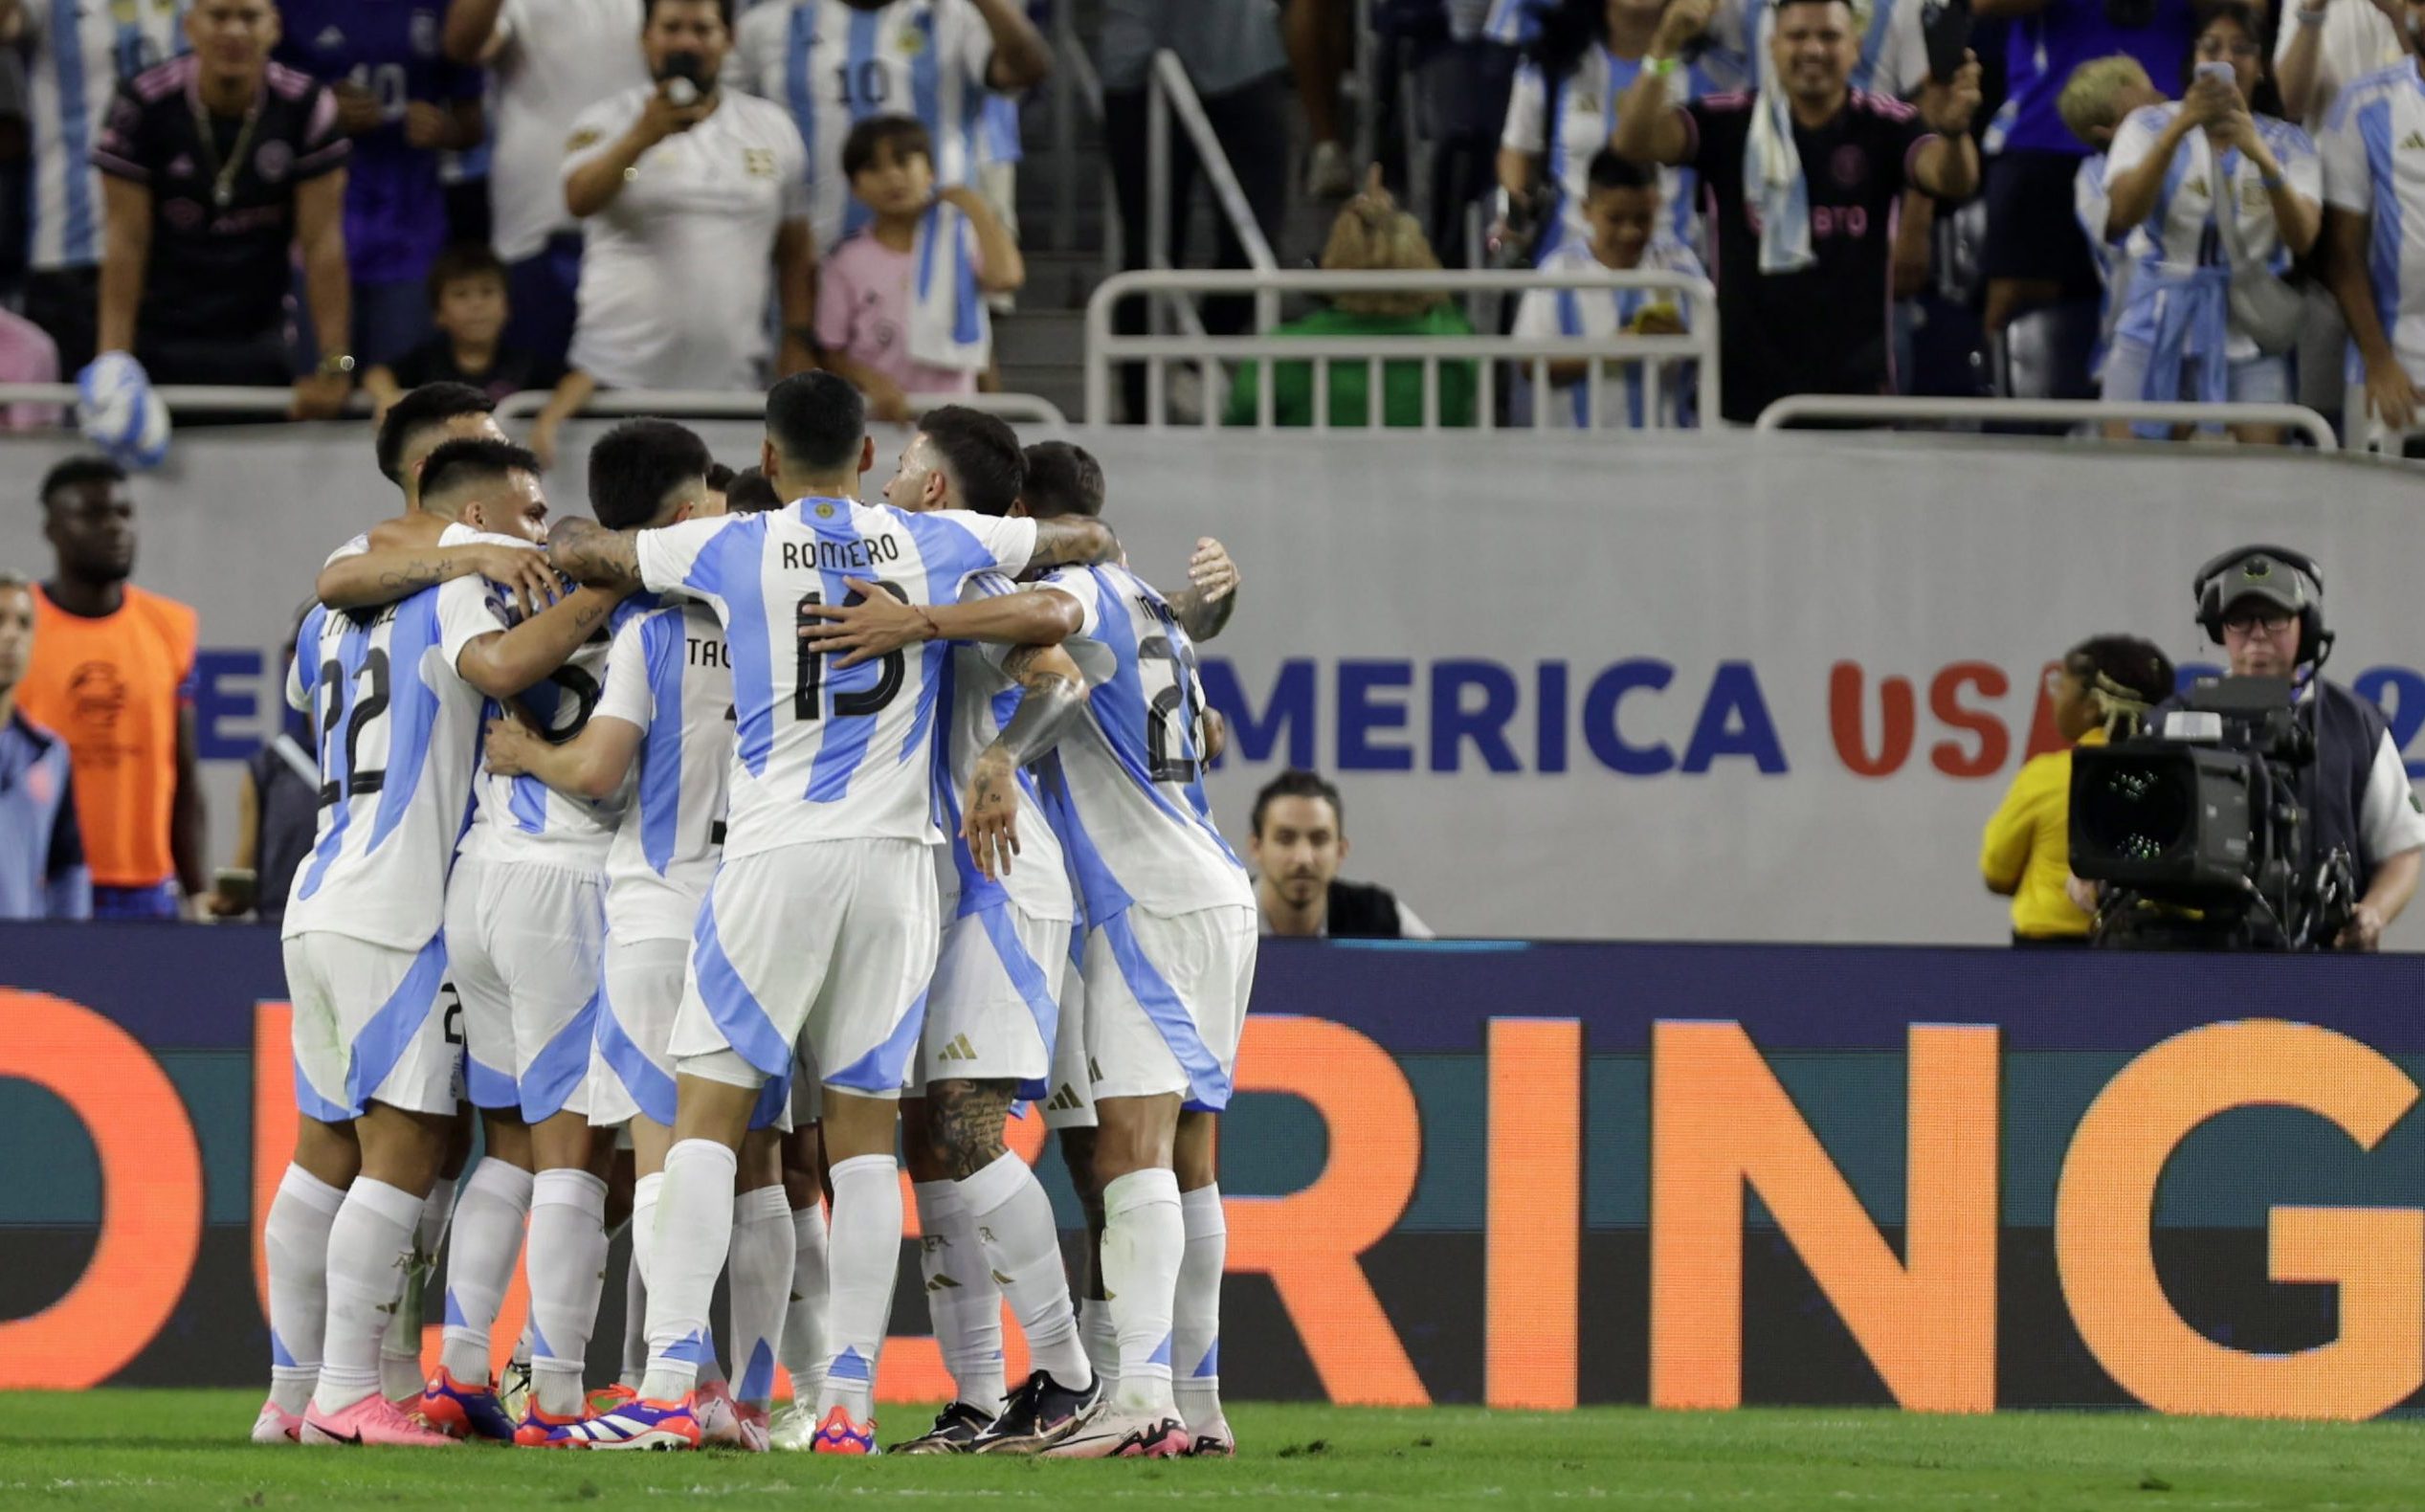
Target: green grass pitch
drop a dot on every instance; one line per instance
(167, 1451)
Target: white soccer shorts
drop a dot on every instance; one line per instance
(633, 1074)
(994, 1008)
(1166, 1002)
(369, 1024)
(825, 947)
(524, 940)
(1068, 1095)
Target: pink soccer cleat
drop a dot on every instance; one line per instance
(275, 1425)
(375, 1420)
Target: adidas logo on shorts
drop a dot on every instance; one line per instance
(941, 1282)
(1064, 1100)
(958, 1050)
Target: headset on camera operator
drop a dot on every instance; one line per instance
(2265, 606)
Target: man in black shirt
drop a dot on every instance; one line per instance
(1823, 326)
(212, 166)
(1297, 840)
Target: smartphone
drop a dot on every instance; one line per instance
(1945, 25)
(237, 886)
(2218, 70)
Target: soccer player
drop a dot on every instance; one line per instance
(820, 929)
(993, 1007)
(397, 695)
(663, 723)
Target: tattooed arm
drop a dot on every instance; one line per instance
(1055, 694)
(383, 576)
(873, 622)
(1204, 604)
(506, 662)
(587, 551)
(1073, 539)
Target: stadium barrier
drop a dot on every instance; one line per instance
(1024, 408)
(1533, 1175)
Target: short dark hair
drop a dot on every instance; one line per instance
(464, 259)
(1297, 783)
(980, 454)
(648, 12)
(750, 494)
(634, 466)
(1609, 171)
(473, 459)
(75, 471)
(817, 419)
(1780, 6)
(903, 134)
(1062, 479)
(2138, 667)
(719, 478)
(426, 408)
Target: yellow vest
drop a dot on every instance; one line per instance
(2029, 843)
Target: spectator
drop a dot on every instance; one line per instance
(1587, 54)
(2323, 47)
(42, 871)
(2102, 691)
(72, 73)
(2100, 96)
(1804, 275)
(1298, 840)
(215, 164)
(2178, 336)
(697, 213)
(588, 55)
(2374, 232)
(404, 103)
(1370, 234)
(277, 813)
(1322, 46)
(834, 63)
(1626, 231)
(468, 304)
(877, 326)
(27, 355)
(2034, 253)
(113, 672)
(1233, 54)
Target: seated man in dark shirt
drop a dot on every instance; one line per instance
(214, 164)
(1803, 249)
(468, 306)
(1297, 839)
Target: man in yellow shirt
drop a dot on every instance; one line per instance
(2103, 687)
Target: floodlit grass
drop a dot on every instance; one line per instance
(167, 1451)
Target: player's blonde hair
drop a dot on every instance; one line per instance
(2087, 103)
(1371, 236)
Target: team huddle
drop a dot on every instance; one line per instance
(765, 839)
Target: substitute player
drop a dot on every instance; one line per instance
(820, 927)
(397, 697)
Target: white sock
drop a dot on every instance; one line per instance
(761, 1270)
(295, 1245)
(567, 1263)
(1144, 1237)
(803, 1331)
(1101, 1340)
(369, 1245)
(400, 1350)
(693, 1229)
(479, 1263)
(1195, 1329)
(1013, 1219)
(635, 1306)
(863, 1254)
(963, 1304)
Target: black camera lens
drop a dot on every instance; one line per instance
(2136, 813)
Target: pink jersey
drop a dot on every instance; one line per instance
(862, 311)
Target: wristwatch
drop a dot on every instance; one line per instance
(337, 365)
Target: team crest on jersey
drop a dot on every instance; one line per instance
(913, 41)
(586, 137)
(759, 160)
(825, 511)
(125, 13)
(425, 34)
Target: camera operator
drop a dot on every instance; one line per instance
(2265, 606)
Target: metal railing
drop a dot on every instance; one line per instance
(1106, 349)
(1804, 407)
(1169, 93)
(607, 403)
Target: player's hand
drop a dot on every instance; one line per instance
(2365, 931)
(357, 108)
(1210, 572)
(871, 623)
(1216, 736)
(320, 396)
(524, 575)
(1948, 107)
(991, 827)
(425, 124)
(508, 748)
(2392, 394)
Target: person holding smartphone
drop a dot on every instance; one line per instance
(2170, 168)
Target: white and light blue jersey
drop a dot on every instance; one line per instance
(1587, 100)
(2374, 153)
(79, 52)
(824, 752)
(668, 674)
(521, 818)
(831, 65)
(1629, 399)
(1133, 815)
(2179, 234)
(980, 700)
(399, 734)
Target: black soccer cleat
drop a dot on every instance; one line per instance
(1040, 1414)
(955, 1432)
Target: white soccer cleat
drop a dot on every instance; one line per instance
(1214, 1440)
(794, 1428)
(1112, 1432)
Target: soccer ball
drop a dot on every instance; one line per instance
(118, 411)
